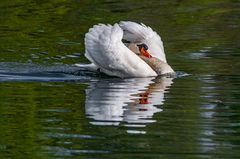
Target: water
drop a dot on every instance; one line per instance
(51, 109)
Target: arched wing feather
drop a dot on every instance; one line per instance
(105, 49)
(140, 33)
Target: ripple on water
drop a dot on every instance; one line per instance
(11, 71)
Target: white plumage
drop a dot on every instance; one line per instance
(105, 49)
(137, 33)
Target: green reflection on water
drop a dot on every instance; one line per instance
(200, 38)
(25, 115)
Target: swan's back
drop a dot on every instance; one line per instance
(104, 48)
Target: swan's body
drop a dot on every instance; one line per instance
(107, 52)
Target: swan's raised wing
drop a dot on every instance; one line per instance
(140, 33)
(105, 49)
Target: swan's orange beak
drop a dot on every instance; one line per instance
(145, 53)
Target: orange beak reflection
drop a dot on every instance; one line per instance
(145, 53)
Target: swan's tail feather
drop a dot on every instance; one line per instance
(89, 67)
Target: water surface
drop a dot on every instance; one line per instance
(51, 109)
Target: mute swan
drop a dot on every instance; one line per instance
(140, 55)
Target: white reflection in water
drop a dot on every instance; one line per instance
(132, 101)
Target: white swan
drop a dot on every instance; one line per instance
(107, 52)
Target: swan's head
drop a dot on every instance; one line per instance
(143, 50)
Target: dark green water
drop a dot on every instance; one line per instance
(49, 111)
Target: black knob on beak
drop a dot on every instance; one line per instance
(143, 46)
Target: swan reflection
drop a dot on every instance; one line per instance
(131, 102)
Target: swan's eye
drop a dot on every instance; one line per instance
(143, 46)
(125, 41)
